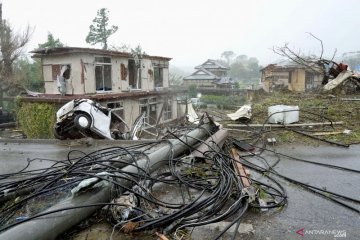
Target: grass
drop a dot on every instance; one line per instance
(313, 108)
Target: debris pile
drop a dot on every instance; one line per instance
(127, 184)
(169, 186)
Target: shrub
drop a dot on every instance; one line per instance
(224, 102)
(36, 119)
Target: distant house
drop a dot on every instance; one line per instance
(293, 77)
(210, 74)
(127, 83)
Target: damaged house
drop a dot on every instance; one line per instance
(289, 76)
(210, 74)
(128, 84)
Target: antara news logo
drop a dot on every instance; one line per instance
(335, 233)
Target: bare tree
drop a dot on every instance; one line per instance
(11, 47)
(348, 81)
(312, 62)
(316, 64)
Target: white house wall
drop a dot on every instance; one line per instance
(147, 80)
(131, 110)
(166, 77)
(73, 84)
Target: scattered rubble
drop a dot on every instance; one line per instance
(244, 113)
(199, 177)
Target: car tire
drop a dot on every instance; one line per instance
(82, 121)
(58, 134)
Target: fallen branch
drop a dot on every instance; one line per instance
(321, 139)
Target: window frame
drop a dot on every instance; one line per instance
(102, 64)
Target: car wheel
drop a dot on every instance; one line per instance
(58, 134)
(82, 121)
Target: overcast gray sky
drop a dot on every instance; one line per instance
(191, 31)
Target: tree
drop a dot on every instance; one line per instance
(11, 47)
(29, 74)
(138, 50)
(316, 64)
(228, 55)
(243, 70)
(192, 92)
(51, 42)
(99, 31)
(175, 79)
(123, 47)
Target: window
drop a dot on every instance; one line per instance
(289, 81)
(114, 105)
(103, 74)
(309, 80)
(55, 71)
(134, 74)
(64, 69)
(167, 112)
(149, 107)
(118, 109)
(158, 76)
(102, 60)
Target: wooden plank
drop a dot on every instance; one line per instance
(239, 168)
(289, 125)
(327, 133)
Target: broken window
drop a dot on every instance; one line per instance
(158, 77)
(148, 106)
(103, 74)
(56, 71)
(118, 109)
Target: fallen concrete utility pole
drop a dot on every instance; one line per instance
(58, 221)
(288, 125)
(215, 141)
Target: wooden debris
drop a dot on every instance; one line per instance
(289, 125)
(129, 226)
(327, 133)
(161, 236)
(240, 169)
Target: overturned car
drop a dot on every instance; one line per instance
(85, 118)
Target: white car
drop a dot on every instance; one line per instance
(86, 118)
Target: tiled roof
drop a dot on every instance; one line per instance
(202, 74)
(212, 64)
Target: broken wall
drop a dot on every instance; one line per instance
(82, 75)
(73, 83)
